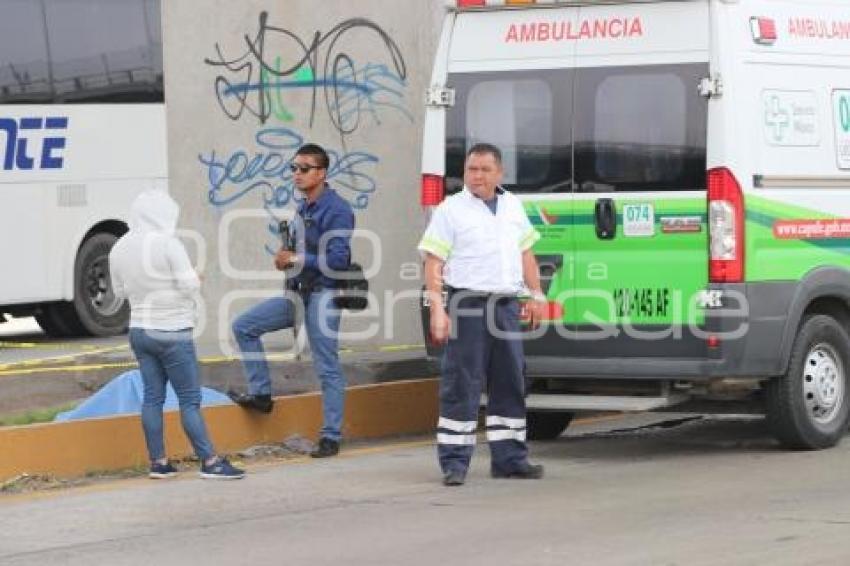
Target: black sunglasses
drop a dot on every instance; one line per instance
(303, 168)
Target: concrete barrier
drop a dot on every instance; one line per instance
(80, 447)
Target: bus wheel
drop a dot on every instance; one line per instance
(95, 308)
(547, 425)
(808, 407)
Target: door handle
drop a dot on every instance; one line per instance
(605, 215)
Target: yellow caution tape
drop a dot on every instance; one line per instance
(40, 366)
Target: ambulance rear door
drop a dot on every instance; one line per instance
(512, 72)
(639, 140)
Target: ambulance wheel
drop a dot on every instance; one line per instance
(95, 310)
(808, 407)
(547, 425)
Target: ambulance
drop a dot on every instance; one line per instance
(687, 164)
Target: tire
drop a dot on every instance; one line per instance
(808, 408)
(95, 310)
(547, 425)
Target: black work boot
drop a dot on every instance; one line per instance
(454, 478)
(526, 472)
(261, 403)
(327, 447)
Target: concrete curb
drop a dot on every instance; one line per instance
(114, 443)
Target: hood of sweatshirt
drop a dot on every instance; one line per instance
(154, 211)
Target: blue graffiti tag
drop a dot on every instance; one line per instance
(266, 172)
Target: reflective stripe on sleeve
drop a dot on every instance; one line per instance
(529, 239)
(435, 246)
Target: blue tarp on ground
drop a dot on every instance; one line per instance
(124, 394)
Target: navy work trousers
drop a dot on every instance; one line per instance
(485, 346)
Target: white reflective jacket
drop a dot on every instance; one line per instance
(150, 267)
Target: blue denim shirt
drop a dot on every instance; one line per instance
(329, 212)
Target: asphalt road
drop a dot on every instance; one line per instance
(22, 340)
(643, 490)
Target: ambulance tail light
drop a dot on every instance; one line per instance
(433, 190)
(468, 3)
(726, 227)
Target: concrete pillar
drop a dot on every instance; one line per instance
(246, 83)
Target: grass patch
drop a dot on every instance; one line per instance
(35, 416)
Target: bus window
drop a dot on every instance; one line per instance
(101, 50)
(80, 51)
(24, 73)
(153, 27)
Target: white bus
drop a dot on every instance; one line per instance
(82, 131)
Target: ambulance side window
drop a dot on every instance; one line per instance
(518, 132)
(640, 129)
(525, 114)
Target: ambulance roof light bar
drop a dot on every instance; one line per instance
(461, 4)
(491, 4)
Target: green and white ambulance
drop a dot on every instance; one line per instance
(688, 166)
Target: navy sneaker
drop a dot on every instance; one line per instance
(221, 469)
(161, 471)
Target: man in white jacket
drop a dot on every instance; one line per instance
(151, 268)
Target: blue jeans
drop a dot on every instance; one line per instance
(321, 319)
(163, 357)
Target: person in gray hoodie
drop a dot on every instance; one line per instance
(150, 267)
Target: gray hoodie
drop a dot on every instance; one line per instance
(151, 268)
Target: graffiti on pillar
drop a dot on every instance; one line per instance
(351, 75)
(264, 172)
(276, 61)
